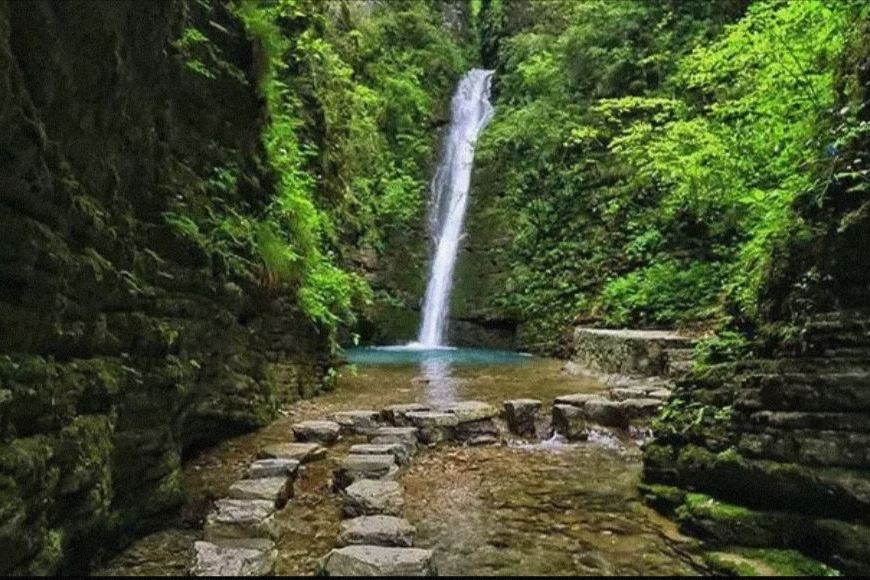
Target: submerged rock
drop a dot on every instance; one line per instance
(275, 489)
(273, 468)
(378, 561)
(240, 518)
(379, 530)
(402, 452)
(301, 452)
(357, 421)
(372, 497)
(570, 422)
(229, 560)
(326, 432)
(395, 414)
(520, 415)
(357, 467)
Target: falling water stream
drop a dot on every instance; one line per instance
(470, 113)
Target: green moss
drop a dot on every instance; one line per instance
(759, 562)
(663, 498)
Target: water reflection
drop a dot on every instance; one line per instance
(441, 386)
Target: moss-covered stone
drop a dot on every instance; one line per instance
(757, 562)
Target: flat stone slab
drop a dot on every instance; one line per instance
(606, 413)
(376, 531)
(240, 518)
(520, 415)
(401, 451)
(357, 421)
(273, 468)
(395, 414)
(357, 467)
(301, 452)
(466, 411)
(622, 394)
(368, 497)
(406, 435)
(378, 561)
(576, 400)
(275, 489)
(226, 560)
(641, 408)
(432, 419)
(326, 432)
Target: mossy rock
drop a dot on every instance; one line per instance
(663, 498)
(760, 562)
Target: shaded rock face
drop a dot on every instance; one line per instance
(629, 352)
(123, 345)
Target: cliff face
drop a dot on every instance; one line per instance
(123, 345)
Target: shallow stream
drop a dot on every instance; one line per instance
(526, 508)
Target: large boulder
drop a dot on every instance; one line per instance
(520, 415)
(275, 489)
(326, 432)
(240, 518)
(376, 530)
(301, 452)
(357, 467)
(378, 561)
(231, 560)
(368, 497)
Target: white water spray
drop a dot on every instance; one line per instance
(470, 113)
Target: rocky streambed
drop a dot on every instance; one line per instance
(475, 498)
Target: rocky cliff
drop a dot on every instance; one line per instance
(123, 344)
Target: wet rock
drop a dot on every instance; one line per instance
(376, 531)
(395, 414)
(520, 415)
(368, 497)
(357, 421)
(326, 432)
(273, 468)
(641, 408)
(240, 518)
(466, 411)
(301, 452)
(402, 452)
(275, 489)
(357, 467)
(606, 413)
(378, 561)
(405, 435)
(576, 400)
(228, 560)
(433, 426)
(570, 422)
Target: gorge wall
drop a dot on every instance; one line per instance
(123, 345)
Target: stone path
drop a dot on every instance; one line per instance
(240, 535)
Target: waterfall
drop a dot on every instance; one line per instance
(470, 112)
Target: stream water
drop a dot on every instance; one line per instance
(522, 508)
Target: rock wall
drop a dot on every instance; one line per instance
(124, 346)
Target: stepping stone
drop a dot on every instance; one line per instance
(466, 411)
(275, 489)
(641, 408)
(378, 561)
(357, 421)
(606, 413)
(325, 432)
(662, 394)
(626, 393)
(301, 452)
(368, 497)
(240, 518)
(357, 467)
(433, 426)
(402, 452)
(395, 414)
(230, 560)
(520, 415)
(482, 432)
(376, 531)
(570, 422)
(576, 400)
(405, 435)
(273, 468)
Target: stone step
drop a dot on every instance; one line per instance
(301, 452)
(369, 497)
(325, 432)
(404, 435)
(433, 426)
(273, 468)
(357, 467)
(401, 451)
(358, 422)
(278, 490)
(468, 411)
(233, 519)
(521, 415)
(378, 561)
(846, 449)
(395, 414)
(246, 559)
(377, 530)
(849, 353)
(803, 392)
(680, 354)
(858, 422)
